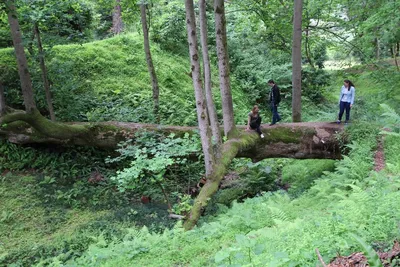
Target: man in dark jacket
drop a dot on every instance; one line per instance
(274, 99)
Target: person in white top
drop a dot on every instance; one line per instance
(346, 100)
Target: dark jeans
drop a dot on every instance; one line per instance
(275, 115)
(344, 106)
(255, 125)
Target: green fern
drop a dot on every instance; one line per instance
(278, 214)
(391, 119)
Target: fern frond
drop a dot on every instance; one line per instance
(278, 214)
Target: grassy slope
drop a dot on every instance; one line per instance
(108, 80)
(26, 225)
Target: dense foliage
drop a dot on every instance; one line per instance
(74, 206)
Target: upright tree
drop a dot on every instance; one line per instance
(296, 61)
(2, 100)
(150, 66)
(201, 107)
(118, 25)
(212, 112)
(43, 68)
(22, 62)
(223, 68)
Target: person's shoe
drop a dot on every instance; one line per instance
(272, 124)
(338, 121)
(346, 122)
(262, 135)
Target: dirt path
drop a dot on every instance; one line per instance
(379, 159)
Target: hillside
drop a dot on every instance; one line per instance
(108, 80)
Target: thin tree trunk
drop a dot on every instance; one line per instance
(307, 48)
(395, 58)
(22, 63)
(202, 116)
(118, 25)
(166, 198)
(377, 48)
(2, 100)
(150, 66)
(223, 67)
(212, 112)
(296, 61)
(44, 74)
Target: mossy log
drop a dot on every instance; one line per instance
(292, 140)
(289, 140)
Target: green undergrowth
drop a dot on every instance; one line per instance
(299, 175)
(339, 210)
(108, 80)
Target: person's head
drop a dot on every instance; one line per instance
(271, 82)
(255, 109)
(348, 84)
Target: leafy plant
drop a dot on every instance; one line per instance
(151, 156)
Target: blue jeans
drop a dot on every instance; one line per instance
(344, 106)
(275, 115)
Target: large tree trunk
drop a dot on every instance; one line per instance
(22, 63)
(150, 66)
(290, 140)
(212, 112)
(202, 116)
(2, 100)
(118, 25)
(223, 67)
(44, 74)
(296, 61)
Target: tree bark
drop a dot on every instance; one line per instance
(223, 68)
(212, 112)
(22, 63)
(150, 66)
(118, 25)
(202, 116)
(2, 100)
(288, 140)
(296, 61)
(229, 152)
(44, 74)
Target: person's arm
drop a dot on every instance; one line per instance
(275, 92)
(353, 94)
(341, 94)
(248, 123)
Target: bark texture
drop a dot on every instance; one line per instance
(212, 112)
(22, 63)
(2, 100)
(202, 116)
(45, 78)
(292, 140)
(118, 25)
(229, 151)
(223, 68)
(150, 66)
(296, 61)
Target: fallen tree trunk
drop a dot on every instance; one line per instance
(291, 140)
